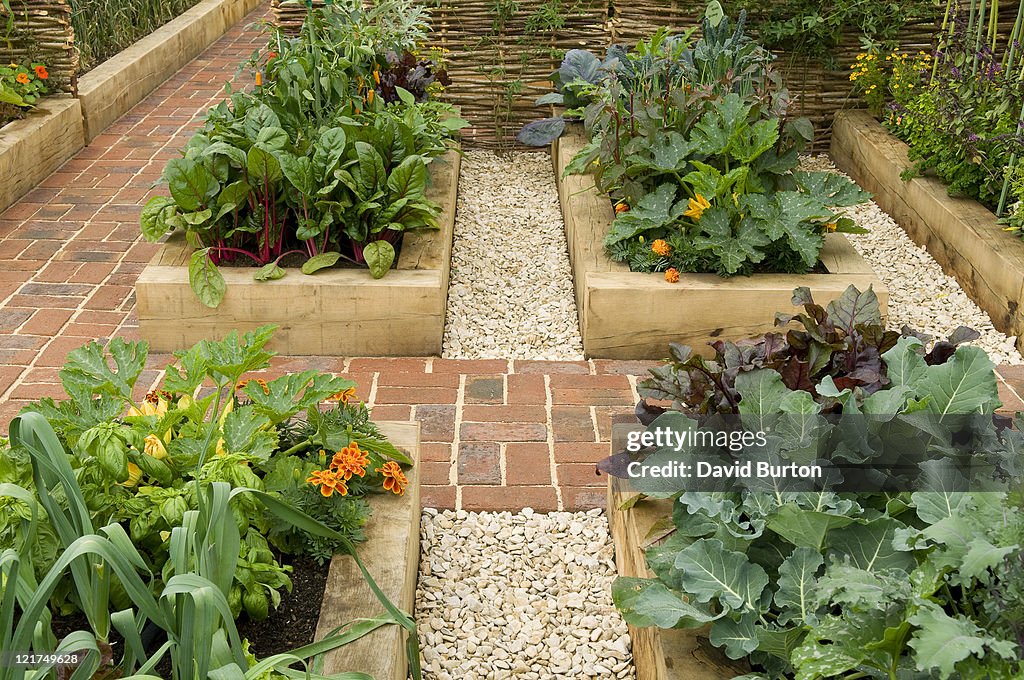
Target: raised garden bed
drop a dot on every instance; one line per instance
(335, 312)
(658, 654)
(391, 554)
(962, 235)
(108, 91)
(629, 315)
(36, 145)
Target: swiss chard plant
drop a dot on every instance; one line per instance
(835, 584)
(138, 462)
(313, 166)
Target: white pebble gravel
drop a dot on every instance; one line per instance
(921, 295)
(511, 292)
(519, 595)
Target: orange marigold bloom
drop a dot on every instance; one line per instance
(23, 78)
(259, 381)
(661, 248)
(41, 72)
(350, 461)
(672, 275)
(343, 396)
(831, 226)
(621, 208)
(329, 482)
(395, 480)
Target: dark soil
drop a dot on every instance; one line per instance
(291, 625)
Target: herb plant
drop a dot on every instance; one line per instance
(821, 584)
(138, 463)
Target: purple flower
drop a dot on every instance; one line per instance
(972, 137)
(954, 71)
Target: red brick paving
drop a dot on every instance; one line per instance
(496, 434)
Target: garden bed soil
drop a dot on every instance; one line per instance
(391, 554)
(658, 654)
(112, 88)
(337, 311)
(962, 235)
(36, 145)
(632, 315)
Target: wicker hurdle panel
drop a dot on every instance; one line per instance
(42, 33)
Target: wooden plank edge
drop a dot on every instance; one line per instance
(381, 654)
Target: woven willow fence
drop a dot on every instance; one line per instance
(41, 32)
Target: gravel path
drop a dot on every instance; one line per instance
(522, 595)
(920, 294)
(511, 294)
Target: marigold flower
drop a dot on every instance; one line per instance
(830, 226)
(259, 381)
(395, 480)
(672, 275)
(621, 208)
(350, 461)
(697, 206)
(329, 482)
(41, 72)
(344, 396)
(23, 78)
(659, 247)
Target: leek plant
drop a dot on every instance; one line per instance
(192, 610)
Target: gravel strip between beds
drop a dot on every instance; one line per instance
(921, 295)
(511, 293)
(519, 595)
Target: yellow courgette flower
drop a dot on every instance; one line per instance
(155, 447)
(697, 207)
(134, 475)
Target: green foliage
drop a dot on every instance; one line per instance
(691, 145)
(816, 28)
(313, 163)
(826, 584)
(138, 464)
(103, 28)
(21, 86)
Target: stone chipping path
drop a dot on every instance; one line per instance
(511, 292)
(519, 595)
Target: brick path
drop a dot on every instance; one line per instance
(497, 434)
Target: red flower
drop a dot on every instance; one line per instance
(41, 72)
(271, 55)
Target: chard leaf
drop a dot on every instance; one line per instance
(153, 219)
(647, 602)
(710, 571)
(191, 184)
(206, 280)
(269, 272)
(262, 165)
(379, 256)
(321, 261)
(409, 180)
